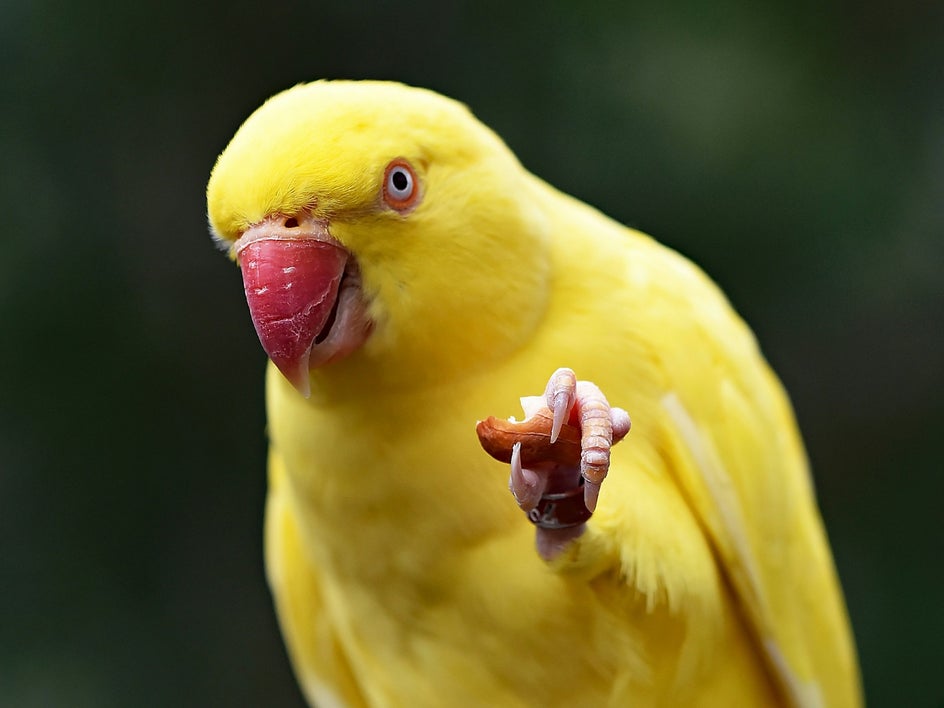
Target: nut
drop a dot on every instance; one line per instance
(498, 437)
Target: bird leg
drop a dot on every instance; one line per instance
(559, 456)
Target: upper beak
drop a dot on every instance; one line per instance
(292, 269)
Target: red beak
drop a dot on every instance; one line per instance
(291, 275)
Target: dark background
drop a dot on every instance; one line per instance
(794, 150)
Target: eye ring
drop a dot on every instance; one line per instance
(401, 189)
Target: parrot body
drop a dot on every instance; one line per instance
(403, 574)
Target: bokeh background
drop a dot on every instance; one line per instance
(794, 150)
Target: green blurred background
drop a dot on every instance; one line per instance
(794, 150)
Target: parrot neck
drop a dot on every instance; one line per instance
(385, 485)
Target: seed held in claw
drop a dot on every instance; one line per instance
(498, 437)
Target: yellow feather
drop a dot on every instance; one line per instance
(402, 570)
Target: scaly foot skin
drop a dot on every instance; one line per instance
(548, 468)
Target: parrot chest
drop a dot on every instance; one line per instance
(489, 623)
(427, 570)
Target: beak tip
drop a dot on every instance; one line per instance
(295, 372)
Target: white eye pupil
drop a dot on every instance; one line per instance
(400, 183)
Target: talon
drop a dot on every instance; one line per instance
(591, 494)
(562, 405)
(561, 394)
(524, 484)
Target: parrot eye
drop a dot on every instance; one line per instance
(400, 189)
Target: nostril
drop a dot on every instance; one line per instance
(291, 223)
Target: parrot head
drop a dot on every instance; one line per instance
(383, 224)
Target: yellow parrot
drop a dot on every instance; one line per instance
(407, 278)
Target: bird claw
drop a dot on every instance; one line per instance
(561, 450)
(601, 426)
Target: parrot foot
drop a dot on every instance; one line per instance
(559, 456)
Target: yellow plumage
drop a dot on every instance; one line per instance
(403, 572)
